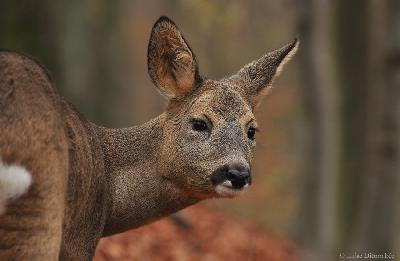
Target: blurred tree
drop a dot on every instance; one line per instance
(351, 42)
(379, 218)
(28, 27)
(88, 54)
(367, 71)
(78, 47)
(317, 210)
(350, 99)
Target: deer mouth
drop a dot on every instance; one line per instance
(231, 180)
(230, 189)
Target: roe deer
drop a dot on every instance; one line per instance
(66, 182)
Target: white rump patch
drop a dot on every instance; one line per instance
(14, 182)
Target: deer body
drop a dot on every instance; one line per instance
(66, 182)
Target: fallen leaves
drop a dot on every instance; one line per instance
(197, 233)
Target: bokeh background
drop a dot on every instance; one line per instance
(327, 170)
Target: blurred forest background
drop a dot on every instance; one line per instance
(328, 157)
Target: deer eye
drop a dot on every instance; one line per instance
(199, 125)
(251, 132)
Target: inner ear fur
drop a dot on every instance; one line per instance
(171, 63)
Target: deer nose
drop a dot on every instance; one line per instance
(239, 177)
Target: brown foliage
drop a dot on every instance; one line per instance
(198, 233)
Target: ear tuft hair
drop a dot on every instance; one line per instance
(289, 51)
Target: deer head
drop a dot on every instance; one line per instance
(208, 138)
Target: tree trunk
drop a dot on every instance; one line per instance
(29, 27)
(380, 210)
(351, 148)
(319, 150)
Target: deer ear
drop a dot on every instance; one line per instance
(255, 79)
(171, 63)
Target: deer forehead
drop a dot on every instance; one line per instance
(221, 102)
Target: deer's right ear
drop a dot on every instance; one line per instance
(171, 63)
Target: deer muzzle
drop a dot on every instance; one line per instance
(231, 179)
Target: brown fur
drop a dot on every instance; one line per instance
(91, 181)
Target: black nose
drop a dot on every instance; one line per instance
(238, 176)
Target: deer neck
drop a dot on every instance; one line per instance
(139, 193)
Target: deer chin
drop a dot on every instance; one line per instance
(225, 189)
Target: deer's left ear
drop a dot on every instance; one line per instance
(255, 79)
(171, 63)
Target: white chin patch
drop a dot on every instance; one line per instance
(226, 189)
(14, 182)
